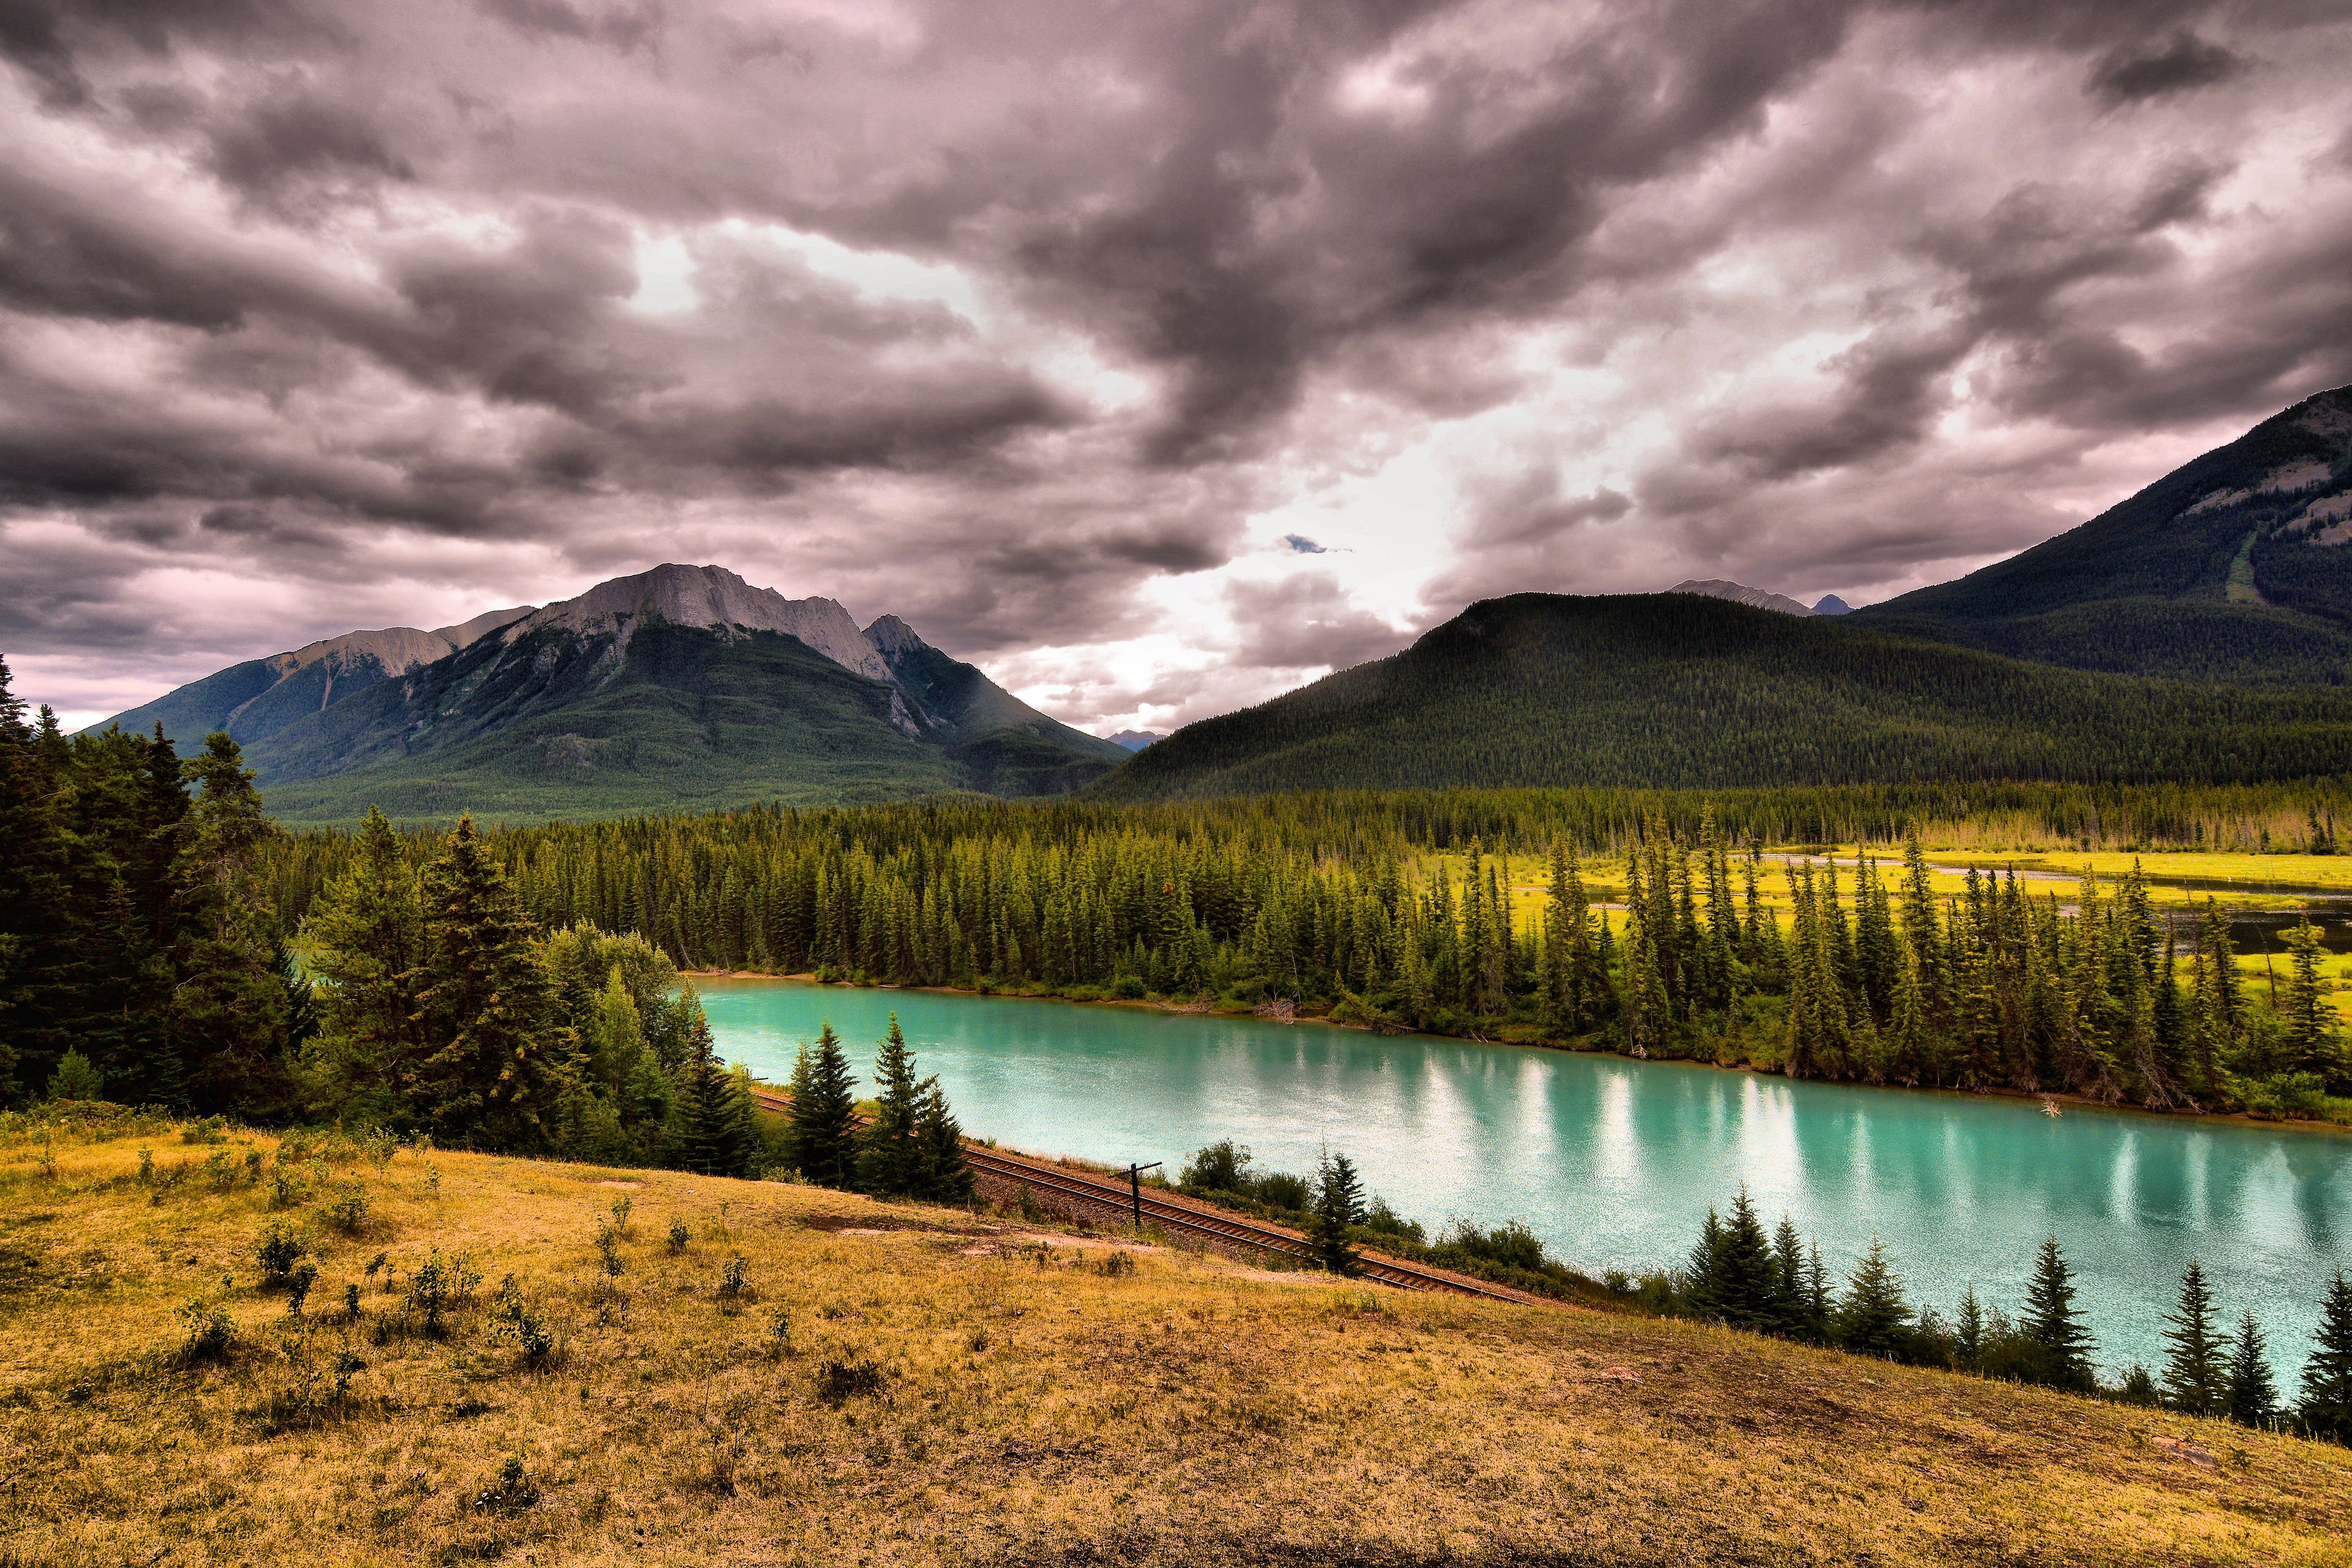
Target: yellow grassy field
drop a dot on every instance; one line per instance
(955, 1388)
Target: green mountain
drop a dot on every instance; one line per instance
(2234, 567)
(679, 689)
(1675, 689)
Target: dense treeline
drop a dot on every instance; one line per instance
(1673, 689)
(142, 961)
(136, 950)
(1326, 901)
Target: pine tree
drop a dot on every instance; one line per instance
(891, 1157)
(492, 1067)
(229, 1007)
(823, 1113)
(1734, 1283)
(1788, 1314)
(2053, 1324)
(2325, 1406)
(1969, 1332)
(1874, 1320)
(2253, 1396)
(2193, 1375)
(366, 938)
(947, 1175)
(710, 1132)
(1339, 1204)
(2311, 1039)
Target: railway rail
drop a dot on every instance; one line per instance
(1187, 1219)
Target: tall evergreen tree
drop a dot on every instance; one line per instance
(713, 1131)
(1339, 1204)
(891, 1155)
(2253, 1395)
(2053, 1324)
(1733, 1273)
(229, 1009)
(821, 1139)
(1873, 1319)
(366, 933)
(947, 1175)
(2326, 1402)
(491, 1065)
(2193, 1378)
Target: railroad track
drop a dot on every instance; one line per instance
(1236, 1230)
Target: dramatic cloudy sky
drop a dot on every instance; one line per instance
(1156, 356)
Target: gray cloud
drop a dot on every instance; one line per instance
(1071, 334)
(2131, 73)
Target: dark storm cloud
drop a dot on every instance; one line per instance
(2131, 73)
(1070, 327)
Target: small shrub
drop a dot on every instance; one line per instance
(621, 1208)
(513, 1492)
(375, 1262)
(1118, 1265)
(349, 1212)
(220, 1170)
(279, 1250)
(432, 1181)
(439, 1286)
(209, 1131)
(380, 1146)
(207, 1331)
(734, 1284)
(680, 1237)
(146, 1167)
(1030, 1209)
(780, 1327)
(608, 1251)
(287, 1190)
(520, 1323)
(977, 1340)
(350, 1303)
(299, 1281)
(839, 1380)
(253, 1167)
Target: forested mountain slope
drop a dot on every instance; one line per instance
(680, 687)
(2234, 567)
(1678, 691)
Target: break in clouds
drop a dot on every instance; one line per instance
(1155, 356)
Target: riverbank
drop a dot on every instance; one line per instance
(2339, 1124)
(918, 1385)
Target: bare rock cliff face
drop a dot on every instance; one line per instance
(710, 596)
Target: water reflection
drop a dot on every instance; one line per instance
(1615, 1163)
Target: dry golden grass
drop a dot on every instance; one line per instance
(1032, 1408)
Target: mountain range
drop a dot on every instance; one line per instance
(680, 687)
(2201, 629)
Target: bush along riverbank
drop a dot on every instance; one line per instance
(1775, 1284)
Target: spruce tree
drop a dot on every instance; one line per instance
(2193, 1375)
(2053, 1324)
(492, 1066)
(229, 1006)
(947, 1175)
(2311, 1037)
(2253, 1395)
(366, 933)
(2326, 1402)
(1874, 1320)
(1338, 1204)
(890, 1154)
(1788, 1312)
(1968, 1334)
(824, 1149)
(704, 1136)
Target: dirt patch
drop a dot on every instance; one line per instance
(882, 1225)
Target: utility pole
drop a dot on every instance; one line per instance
(1135, 1189)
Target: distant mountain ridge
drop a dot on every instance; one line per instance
(1675, 690)
(1136, 740)
(682, 686)
(2235, 567)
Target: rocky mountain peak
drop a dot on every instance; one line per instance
(1740, 593)
(710, 596)
(892, 637)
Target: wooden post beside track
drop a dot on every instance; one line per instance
(1135, 1190)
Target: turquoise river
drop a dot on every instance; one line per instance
(1615, 1163)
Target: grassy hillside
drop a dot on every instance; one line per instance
(2225, 569)
(959, 1388)
(1678, 690)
